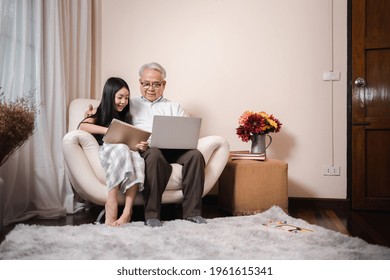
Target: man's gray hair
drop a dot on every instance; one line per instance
(154, 66)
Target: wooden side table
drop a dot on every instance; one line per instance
(250, 186)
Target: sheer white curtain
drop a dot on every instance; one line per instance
(45, 48)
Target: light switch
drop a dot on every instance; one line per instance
(331, 76)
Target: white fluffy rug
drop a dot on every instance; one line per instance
(242, 237)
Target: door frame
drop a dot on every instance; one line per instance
(349, 102)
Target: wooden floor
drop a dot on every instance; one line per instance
(374, 227)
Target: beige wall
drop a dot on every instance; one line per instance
(227, 56)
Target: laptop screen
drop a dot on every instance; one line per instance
(171, 132)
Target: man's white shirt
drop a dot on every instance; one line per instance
(142, 111)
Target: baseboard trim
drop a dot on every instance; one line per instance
(319, 203)
(300, 202)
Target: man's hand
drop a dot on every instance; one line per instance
(90, 111)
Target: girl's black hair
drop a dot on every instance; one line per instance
(105, 112)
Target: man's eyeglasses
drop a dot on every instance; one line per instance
(155, 85)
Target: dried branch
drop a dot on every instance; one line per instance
(17, 123)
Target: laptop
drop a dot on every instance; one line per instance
(170, 132)
(122, 132)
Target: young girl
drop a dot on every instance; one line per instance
(124, 168)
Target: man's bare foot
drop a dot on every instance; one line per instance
(111, 208)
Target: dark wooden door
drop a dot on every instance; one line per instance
(370, 151)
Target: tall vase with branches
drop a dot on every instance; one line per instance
(17, 123)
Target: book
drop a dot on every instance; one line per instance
(285, 226)
(122, 132)
(247, 155)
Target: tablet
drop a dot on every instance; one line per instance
(122, 132)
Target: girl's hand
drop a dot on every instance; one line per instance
(143, 146)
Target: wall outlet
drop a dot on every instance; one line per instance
(332, 171)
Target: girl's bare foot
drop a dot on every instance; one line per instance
(123, 219)
(111, 208)
(127, 210)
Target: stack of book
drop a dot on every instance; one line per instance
(246, 155)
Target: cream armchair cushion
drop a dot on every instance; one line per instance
(87, 176)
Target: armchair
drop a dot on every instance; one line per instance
(87, 176)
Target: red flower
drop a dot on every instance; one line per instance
(251, 123)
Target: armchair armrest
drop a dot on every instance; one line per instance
(81, 153)
(215, 150)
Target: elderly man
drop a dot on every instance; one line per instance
(157, 161)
